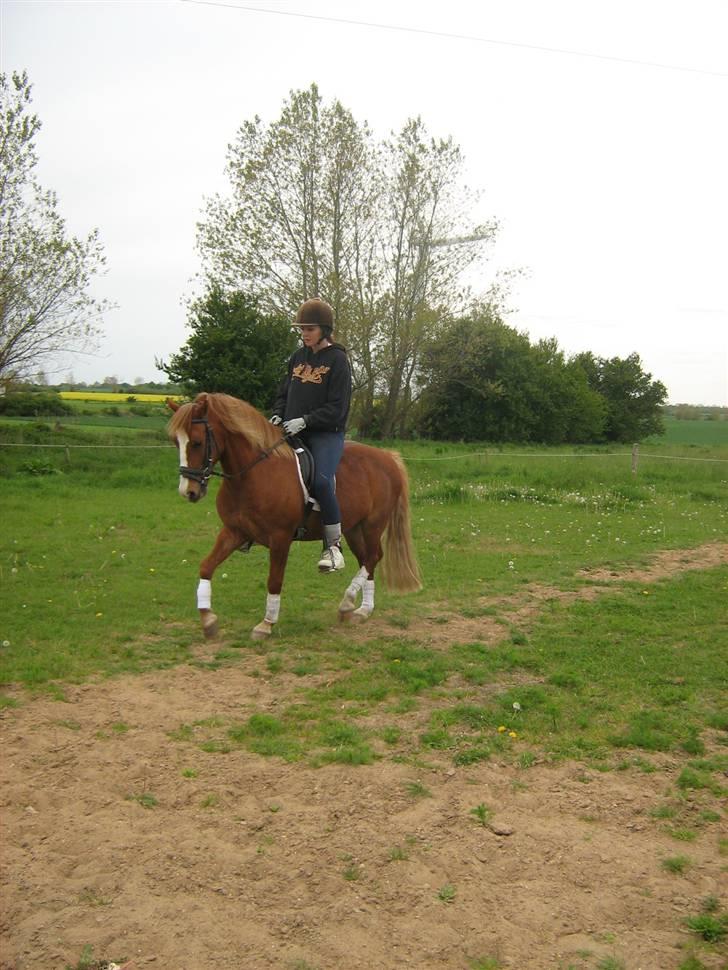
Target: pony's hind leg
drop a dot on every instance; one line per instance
(226, 542)
(347, 606)
(367, 548)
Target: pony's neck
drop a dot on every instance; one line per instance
(237, 453)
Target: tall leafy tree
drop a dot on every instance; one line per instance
(485, 381)
(381, 231)
(46, 304)
(632, 397)
(426, 205)
(234, 348)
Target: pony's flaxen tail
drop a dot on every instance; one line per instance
(399, 565)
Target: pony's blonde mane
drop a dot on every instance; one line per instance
(236, 417)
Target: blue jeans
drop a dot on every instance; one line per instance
(326, 448)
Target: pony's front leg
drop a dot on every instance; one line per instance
(278, 557)
(225, 544)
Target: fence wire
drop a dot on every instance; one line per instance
(475, 454)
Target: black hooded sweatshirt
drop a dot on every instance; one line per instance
(316, 388)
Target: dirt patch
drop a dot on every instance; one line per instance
(664, 564)
(120, 837)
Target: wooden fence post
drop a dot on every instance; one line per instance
(635, 457)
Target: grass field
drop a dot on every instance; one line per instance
(694, 434)
(536, 644)
(99, 557)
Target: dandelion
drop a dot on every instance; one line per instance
(99, 614)
(512, 734)
(645, 592)
(152, 569)
(6, 643)
(511, 564)
(224, 575)
(502, 729)
(516, 706)
(14, 570)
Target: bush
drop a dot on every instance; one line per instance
(39, 466)
(32, 404)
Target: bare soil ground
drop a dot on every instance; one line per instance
(253, 863)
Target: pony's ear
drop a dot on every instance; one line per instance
(199, 407)
(172, 405)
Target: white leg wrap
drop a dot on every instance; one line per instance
(357, 583)
(367, 600)
(348, 603)
(204, 595)
(272, 607)
(368, 595)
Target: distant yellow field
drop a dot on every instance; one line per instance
(116, 398)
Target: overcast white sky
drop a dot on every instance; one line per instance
(609, 177)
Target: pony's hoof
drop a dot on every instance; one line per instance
(262, 631)
(345, 616)
(360, 615)
(209, 626)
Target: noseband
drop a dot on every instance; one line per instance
(203, 475)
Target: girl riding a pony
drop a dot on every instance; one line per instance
(313, 404)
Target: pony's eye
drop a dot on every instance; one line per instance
(195, 444)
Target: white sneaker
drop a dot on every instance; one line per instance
(331, 560)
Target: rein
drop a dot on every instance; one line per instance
(203, 475)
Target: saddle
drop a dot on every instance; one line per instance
(306, 467)
(306, 473)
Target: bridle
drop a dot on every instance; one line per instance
(204, 474)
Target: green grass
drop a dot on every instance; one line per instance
(693, 433)
(99, 565)
(482, 813)
(711, 928)
(145, 799)
(677, 864)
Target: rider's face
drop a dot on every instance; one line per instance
(311, 335)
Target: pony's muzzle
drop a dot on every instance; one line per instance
(195, 492)
(191, 489)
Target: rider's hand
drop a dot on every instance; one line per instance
(276, 419)
(294, 425)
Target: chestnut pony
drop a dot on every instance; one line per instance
(261, 500)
